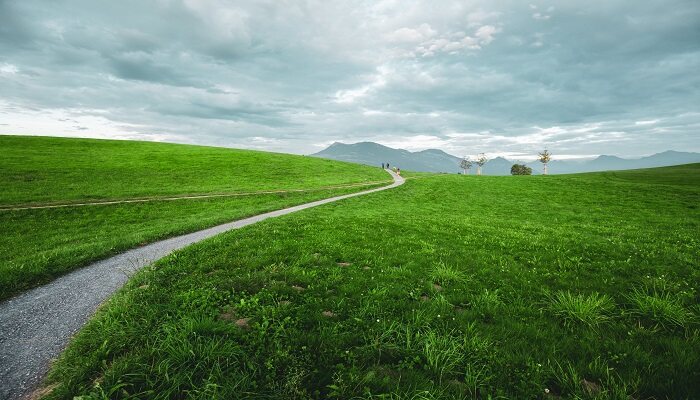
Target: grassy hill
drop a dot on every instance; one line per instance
(39, 244)
(580, 286)
(43, 169)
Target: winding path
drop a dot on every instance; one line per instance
(37, 325)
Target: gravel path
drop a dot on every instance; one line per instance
(37, 325)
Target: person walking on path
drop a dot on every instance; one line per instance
(387, 166)
(398, 171)
(382, 165)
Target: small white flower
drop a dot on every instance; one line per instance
(377, 319)
(546, 390)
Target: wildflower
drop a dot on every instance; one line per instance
(546, 390)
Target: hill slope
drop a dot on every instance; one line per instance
(448, 287)
(39, 244)
(44, 169)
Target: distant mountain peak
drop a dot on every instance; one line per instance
(436, 160)
(435, 151)
(370, 153)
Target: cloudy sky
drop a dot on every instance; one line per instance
(502, 77)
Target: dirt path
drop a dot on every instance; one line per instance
(18, 207)
(36, 326)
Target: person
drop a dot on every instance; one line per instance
(387, 166)
(382, 165)
(398, 171)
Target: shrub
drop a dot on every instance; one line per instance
(520, 169)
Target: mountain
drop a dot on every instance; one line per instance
(375, 154)
(668, 158)
(606, 163)
(497, 166)
(433, 160)
(610, 163)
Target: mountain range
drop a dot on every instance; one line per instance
(434, 160)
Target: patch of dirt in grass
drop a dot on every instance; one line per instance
(243, 323)
(328, 314)
(437, 287)
(366, 268)
(591, 387)
(459, 385)
(388, 372)
(43, 391)
(228, 316)
(144, 287)
(424, 298)
(298, 288)
(344, 264)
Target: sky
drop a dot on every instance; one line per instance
(508, 78)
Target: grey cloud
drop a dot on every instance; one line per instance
(253, 113)
(14, 33)
(141, 66)
(293, 76)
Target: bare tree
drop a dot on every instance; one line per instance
(466, 165)
(480, 161)
(545, 157)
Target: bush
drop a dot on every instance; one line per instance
(520, 169)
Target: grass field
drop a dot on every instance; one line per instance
(55, 170)
(581, 286)
(40, 244)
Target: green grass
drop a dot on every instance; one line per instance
(588, 310)
(40, 244)
(49, 170)
(539, 290)
(660, 309)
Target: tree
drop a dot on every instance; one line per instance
(466, 165)
(545, 157)
(480, 161)
(520, 169)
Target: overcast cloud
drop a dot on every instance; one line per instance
(502, 77)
